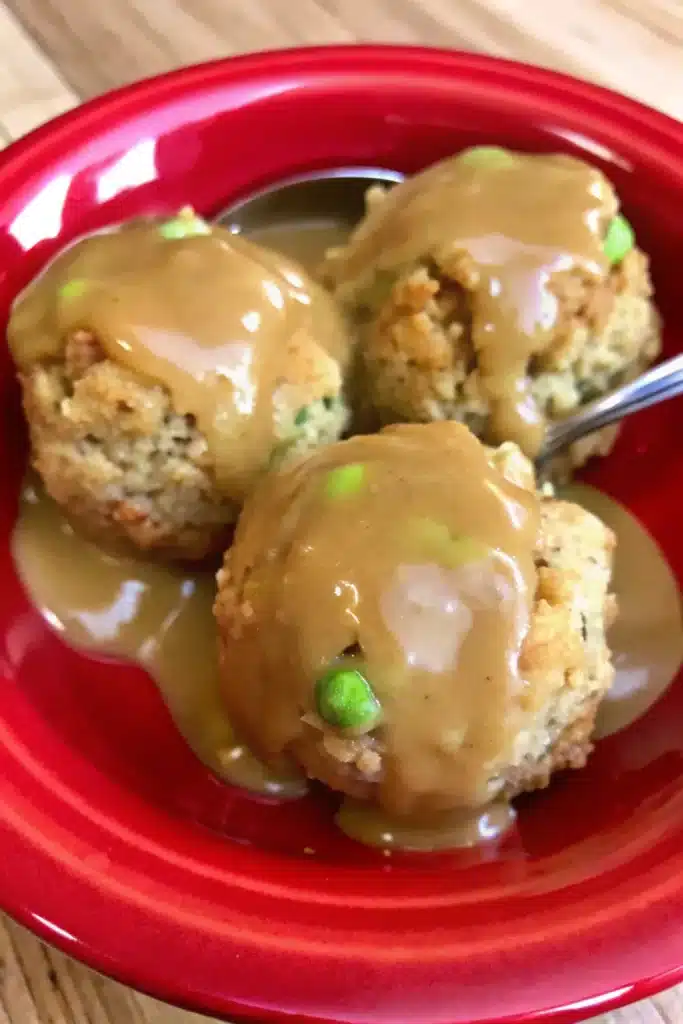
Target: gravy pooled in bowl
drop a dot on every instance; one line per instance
(402, 616)
(497, 288)
(164, 364)
(384, 616)
(158, 616)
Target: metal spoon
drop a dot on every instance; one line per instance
(337, 194)
(656, 385)
(340, 195)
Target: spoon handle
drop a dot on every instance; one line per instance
(661, 382)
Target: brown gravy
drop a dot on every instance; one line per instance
(505, 230)
(432, 596)
(161, 618)
(306, 241)
(155, 615)
(228, 328)
(446, 830)
(647, 637)
(647, 643)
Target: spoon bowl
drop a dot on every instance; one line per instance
(337, 194)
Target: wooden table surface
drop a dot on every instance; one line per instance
(54, 53)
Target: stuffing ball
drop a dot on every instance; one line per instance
(403, 616)
(499, 289)
(164, 366)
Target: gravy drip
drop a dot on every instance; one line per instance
(152, 614)
(444, 830)
(429, 585)
(160, 617)
(305, 241)
(647, 637)
(507, 230)
(220, 322)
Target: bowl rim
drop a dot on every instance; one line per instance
(164, 85)
(145, 95)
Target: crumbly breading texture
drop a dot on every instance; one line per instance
(566, 644)
(114, 453)
(565, 658)
(416, 361)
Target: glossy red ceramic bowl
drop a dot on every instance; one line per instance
(115, 843)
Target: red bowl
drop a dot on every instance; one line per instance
(115, 843)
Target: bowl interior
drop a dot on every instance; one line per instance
(93, 766)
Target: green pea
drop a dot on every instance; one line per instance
(73, 289)
(373, 297)
(280, 453)
(186, 225)
(449, 550)
(431, 533)
(619, 239)
(345, 480)
(466, 549)
(301, 417)
(345, 700)
(487, 156)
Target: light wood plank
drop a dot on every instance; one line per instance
(31, 90)
(630, 45)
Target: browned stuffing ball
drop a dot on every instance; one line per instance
(450, 317)
(164, 366)
(115, 455)
(397, 604)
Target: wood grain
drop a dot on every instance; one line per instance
(55, 52)
(632, 45)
